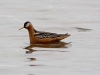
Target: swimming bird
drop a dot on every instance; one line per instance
(41, 37)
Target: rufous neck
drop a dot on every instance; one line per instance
(31, 32)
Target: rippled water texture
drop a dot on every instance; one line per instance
(77, 55)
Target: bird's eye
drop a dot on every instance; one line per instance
(27, 24)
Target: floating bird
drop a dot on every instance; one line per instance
(40, 37)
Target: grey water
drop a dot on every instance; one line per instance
(79, 56)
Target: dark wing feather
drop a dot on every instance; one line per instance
(41, 34)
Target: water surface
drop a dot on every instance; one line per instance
(81, 54)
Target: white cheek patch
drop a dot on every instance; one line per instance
(27, 24)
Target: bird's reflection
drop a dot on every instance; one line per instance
(30, 74)
(54, 45)
(31, 59)
(30, 49)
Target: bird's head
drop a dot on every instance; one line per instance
(26, 25)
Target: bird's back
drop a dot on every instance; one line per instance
(49, 37)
